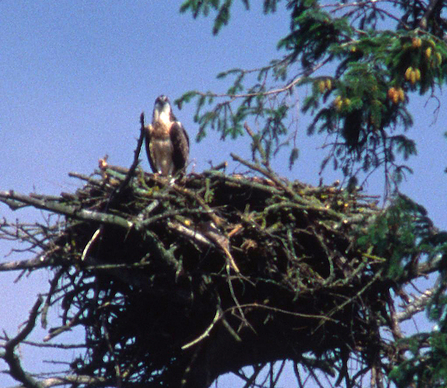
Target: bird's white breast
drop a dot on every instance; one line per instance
(162, 154)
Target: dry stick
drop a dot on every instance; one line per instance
(35, 263)
(266, 172)
(351, 299)
(53, 284)
(15, 368)
(240, 181)
(188, 193)
(281, 311)
(229, 328)
(76, 380)
(168, 214)
(205, 334)
(95, 236)
(220, 315)
(116, 194)
(109, 345)
(210, 212)
(274, 178)
(257, 144)
(416, 306)
(238, 305)
(61, 329)
(217, 222)
(220, 166)
(250, 380)
(86, 178)
(52, 346)
(71, 211)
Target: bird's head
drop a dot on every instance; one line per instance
(162, 109)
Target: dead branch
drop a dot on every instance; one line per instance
(15, 368)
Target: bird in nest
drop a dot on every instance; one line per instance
(167, 143)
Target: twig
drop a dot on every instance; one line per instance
(257, 145)
(61, 329)
(205, 334)
(285, 88)
(192, 234)
(15, 368)
(119, 379)
(266, 172)
(211, 213)
(86, 250)
(53, 286)
(75, 380)
(117, 193)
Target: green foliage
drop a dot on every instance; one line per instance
(427, 368)
(313, 33)
(401, 235)
(222, 8)
(362, 64)
(354, 67)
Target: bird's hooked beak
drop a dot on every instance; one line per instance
(162, 106)
(162, 99)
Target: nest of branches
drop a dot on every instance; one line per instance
(179, 282)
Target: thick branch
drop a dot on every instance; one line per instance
(38, 262)
(430, 8)
(59, 208)
(89, 381)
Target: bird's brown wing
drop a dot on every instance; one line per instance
(147, 138)
(180, 144)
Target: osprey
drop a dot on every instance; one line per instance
(167, 143)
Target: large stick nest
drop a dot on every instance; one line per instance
(180, 282)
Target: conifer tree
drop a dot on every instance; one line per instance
(362, 61)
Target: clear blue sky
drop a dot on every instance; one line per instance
(75, 76)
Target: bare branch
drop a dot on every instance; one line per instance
(11, 197)
(417, 305)
(15, 368)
